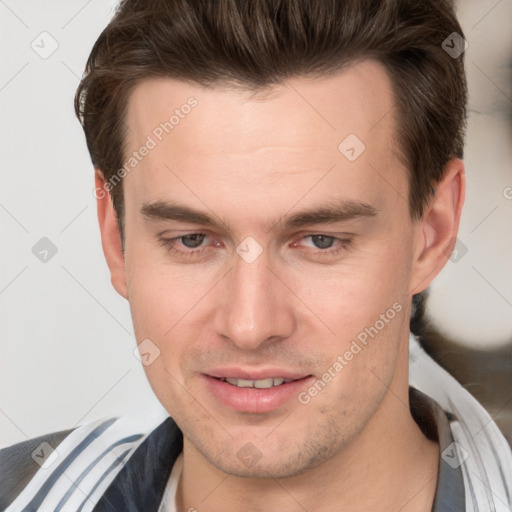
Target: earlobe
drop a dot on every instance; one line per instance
(110, 236)
(437, 230)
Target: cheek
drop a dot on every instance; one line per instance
(352, 296)
(169, 305)
(152, 304)
(159, 308)
(159, 293)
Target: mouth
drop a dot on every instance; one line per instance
(255, 395)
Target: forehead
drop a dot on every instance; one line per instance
(353, 99)
(288, 135)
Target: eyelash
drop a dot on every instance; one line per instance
(168, 243)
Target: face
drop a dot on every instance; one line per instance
(262, 244)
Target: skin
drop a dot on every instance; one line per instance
(248, 158)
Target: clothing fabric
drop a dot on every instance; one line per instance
(168, 503)
(486, 455)
(133, 463)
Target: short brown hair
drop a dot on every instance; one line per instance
(258, 43)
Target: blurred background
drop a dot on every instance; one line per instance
(66, 339)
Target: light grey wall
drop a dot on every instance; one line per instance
(66, 336)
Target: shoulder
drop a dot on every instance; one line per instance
(20, 462)
(48, 468)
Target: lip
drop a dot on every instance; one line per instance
(254, 400)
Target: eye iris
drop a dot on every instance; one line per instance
(195, 240)
(322, 241)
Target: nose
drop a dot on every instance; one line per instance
(254, 308)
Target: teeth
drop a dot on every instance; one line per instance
(264, 383)
(242, 383)
(261, 384)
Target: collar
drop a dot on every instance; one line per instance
(435, 425)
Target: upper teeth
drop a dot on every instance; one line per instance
(262, 383)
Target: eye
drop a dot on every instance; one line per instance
(322, 241)
(326, 245)
(192, 241)
(188, 245)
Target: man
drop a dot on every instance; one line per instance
(276, 181)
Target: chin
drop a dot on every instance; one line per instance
(278, 459)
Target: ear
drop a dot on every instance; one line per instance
(436, 232)
(110, 235)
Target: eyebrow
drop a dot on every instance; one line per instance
(339, 211)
